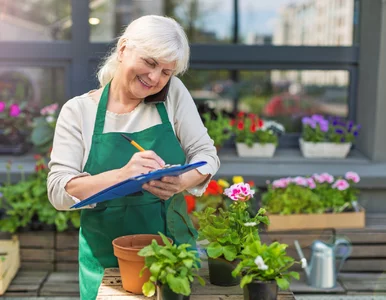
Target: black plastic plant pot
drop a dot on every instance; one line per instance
(165, 293)
(261, 290)
(220, 272)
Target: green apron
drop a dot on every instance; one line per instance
(135, 214)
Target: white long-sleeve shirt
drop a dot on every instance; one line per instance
(74, 130)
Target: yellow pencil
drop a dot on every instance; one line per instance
(133, 143)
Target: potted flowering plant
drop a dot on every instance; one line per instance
(172, 269)
(264, 268)
(44, 128)
(219, 128)
(226, 233)
(15, 124)
(327, 137)
(314, 202)
(255, 137)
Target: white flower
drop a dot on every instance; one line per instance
(250, 224)
(50, 119)
(260, 263)
(304, 263)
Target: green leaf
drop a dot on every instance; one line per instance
(294, 275)
(245, 280)
(215, 250)
(155, 268)
(188, 263)
(282, 283)
(230, 252)
(148, 289)
(178, 285)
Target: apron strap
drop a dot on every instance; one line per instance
(101, 113)
(163, 113)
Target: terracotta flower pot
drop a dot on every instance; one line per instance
(126, 249)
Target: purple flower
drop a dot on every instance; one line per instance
(2, 106)
(14, 110)
(355, 133)
(323, 125)
(307, 121)
(318, 118)
(342, 140)
(339, 131)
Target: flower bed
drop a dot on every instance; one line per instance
(315, 202)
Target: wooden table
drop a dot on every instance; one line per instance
(111, 288)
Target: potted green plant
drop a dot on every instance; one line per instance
(26, 203)
(256, 137)
(314, 202)
(226, 233)
(263, 269)
(327, 137)
(172, 269)
(219, 128)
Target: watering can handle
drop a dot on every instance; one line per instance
(345, 245)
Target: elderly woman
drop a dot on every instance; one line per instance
(140, 96)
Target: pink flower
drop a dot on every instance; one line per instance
(341, 185)
(280, 183)
(352, 176)
(14, 110)
(311, 183)
(2, 106)
(300, 181)
(239, 192)
(327, 177)
(49, 109)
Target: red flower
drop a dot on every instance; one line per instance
(39, 167)
(252, 116)
(240, 125)
(253, 128)
(241, 114)
(251, 183)
(37, 156)
(232, 122)
(190, 203)
(260, 123)
(213, 188)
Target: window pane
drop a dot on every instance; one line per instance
(36, 86)
(287, 96)
(204, 21)
(297, 22)
(284, 96)
(35, 20)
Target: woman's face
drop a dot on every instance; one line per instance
(142, 76)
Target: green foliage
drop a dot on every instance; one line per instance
(294, 199)
(170, 264)
(219, 129)
(27, 199)
(42, 135)
(228, 231)
(273, 257)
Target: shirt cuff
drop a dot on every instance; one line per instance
(201, 188)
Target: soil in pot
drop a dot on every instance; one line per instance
(220, 272)
(261, 290)
(126, 249)
(164, 292)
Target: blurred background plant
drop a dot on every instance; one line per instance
(44, 127)
(219, 128)
(26, 203)
(318, 129)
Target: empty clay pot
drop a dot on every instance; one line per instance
(126, 249)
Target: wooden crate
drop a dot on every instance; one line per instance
(347, 220)
(37, 250)
(9, 262)
(66, 251)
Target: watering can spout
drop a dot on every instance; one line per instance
(301, 255)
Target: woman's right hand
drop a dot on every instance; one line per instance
(141, 163)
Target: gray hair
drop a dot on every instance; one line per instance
(157, 37)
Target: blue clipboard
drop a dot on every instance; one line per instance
(134, 184)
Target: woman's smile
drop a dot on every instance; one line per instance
(144, 83)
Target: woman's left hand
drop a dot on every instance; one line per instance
(165, 188)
